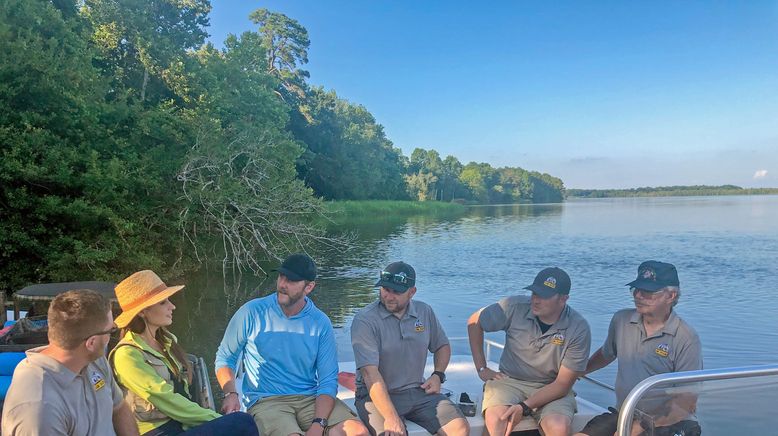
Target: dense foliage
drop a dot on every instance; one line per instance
(127, 141)
(670, 191)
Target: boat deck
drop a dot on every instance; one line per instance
(461, 377)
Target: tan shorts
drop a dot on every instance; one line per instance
(509, 391)
(282, 415)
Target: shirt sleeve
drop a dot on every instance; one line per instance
(609, 349)
(689, 355)
(327, 361)
(117, 396)
(136, 375)
(234, 340)
(364, 341)
(495, 316)
(35, 418)
(438, 336)
(577, 353)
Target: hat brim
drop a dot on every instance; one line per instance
(541, 291)
(291, 275)
(393, 286)
(646, 285)
(126, 316)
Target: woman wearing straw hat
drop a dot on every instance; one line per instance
(152, 369)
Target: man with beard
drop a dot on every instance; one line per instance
(648, 340)
(546, 349)
(391, 338)
(287, 349)
(67, 387)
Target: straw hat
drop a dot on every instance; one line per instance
(139, 291)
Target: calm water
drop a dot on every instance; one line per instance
(725, 249)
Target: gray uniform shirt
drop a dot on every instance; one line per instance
(398, 347)
(530, 354)
(46, 398)
(674, 348)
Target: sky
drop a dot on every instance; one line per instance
(606, 94)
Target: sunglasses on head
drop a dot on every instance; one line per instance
(400, 279)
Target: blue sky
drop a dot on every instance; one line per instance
(602, 94)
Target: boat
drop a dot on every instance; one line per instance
(462, 378)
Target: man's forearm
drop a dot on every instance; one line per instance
(323, 406)
(226, 379)
(547, 394)
(378, 391)
(475, 335)
(597, 361)
(442, 357)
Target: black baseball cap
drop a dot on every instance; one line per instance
(298, 266)
(397, 276)
(549, 282)
(654, 275)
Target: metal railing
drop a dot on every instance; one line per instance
(627, 411)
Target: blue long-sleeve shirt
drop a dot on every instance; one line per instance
(281, 356)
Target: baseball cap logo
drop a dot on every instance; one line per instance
(550, 282)
(648, 274)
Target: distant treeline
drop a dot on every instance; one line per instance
(670, 191)
(127, 141)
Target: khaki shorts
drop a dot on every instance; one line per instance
(509, 391)
(282, 415)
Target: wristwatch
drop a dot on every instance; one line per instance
(525, 410)
(321, 421)
(441, 375)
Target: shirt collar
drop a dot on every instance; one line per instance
(62, 374)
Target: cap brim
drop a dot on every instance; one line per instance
(393, 286)
(291, 275)
(541, 291)
(126, 316)
(647, 285)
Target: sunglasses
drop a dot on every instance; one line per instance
(111, 332)
(647, 295)
(400, 279)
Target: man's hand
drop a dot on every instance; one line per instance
(231, 404)
(513, 415)
(487, 374)
(432, 385)
(394, 426)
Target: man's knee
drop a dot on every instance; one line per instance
(555, 425)
(349, 427)
(455, 427)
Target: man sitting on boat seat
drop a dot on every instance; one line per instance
(67, 387)
(546, 349)
(648, 340)
(391, 338)
(289, 357)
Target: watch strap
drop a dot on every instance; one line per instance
(321, 421)
(526, 411)
(441, 375)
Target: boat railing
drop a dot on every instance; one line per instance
(630, 404)
(492, 345)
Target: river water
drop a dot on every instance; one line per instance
(725, 249)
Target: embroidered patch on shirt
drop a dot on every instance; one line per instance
(662, 350)
(558, 339)
(419, 326)
(97, 380)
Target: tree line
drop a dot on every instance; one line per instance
(127, 140)
(670, 191)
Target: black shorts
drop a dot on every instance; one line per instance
(605, 425)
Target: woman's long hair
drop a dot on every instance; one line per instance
(138, 326)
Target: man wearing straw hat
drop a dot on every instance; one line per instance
(287, 348)
(67, 387)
